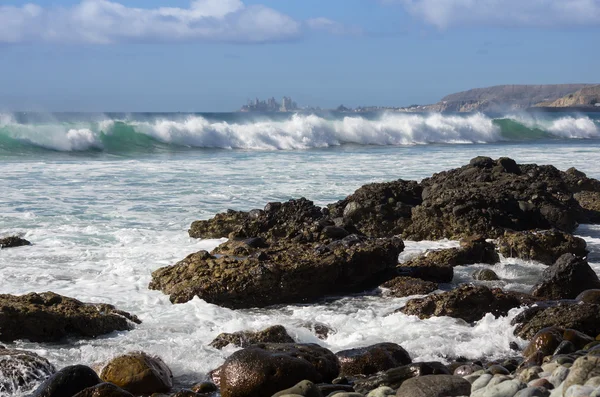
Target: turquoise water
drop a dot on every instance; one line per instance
(102, 216)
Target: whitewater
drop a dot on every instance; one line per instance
(107, 199)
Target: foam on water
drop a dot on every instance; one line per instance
(101, 226)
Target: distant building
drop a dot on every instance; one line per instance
(270, 105)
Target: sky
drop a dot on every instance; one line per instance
(214, 55)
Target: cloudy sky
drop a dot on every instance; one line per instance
(212, 55)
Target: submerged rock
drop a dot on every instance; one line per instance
(265, 369)
(21, 371)
(372, 359)
(468, 302)
(138, 373)
(566, 279)
(274, 334)
(582, 317)
(49, 317)
(283, 273)
(541, 246)
(12, 242)
(407, 286)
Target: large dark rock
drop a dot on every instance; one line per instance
(590, 204)
(284, 273)
(265, 369)
(49, 317)
(372, 359)
(547, 340)
(104, 390)
(566, 279)
(407, 286)
(21, 371)
(138, 373)
(468, 302)
(12, 242)
(488, 197)
(435, 386)
(582, 317)
(396, 376)
(542, 246)
(274, 334)
(379, 209)
(68, 382)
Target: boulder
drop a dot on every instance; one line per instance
(590, 204)
(372, 359)
(21, 371)
(12, 242)
(435, 386)
(468, 302)
(138, 373)
(582, 317)
(490, 197)
(548, 340)
(485, 275)
(287, 272)
(274, 334)
(566, 279)
(220, 226)
(49, 317)
(541, 246)
(396, 376)
(104, 390)
(68, 382)
(379, 209)
(407, 286)
(265, 369)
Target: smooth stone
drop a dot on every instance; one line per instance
(481, 382)
(595, 393)
(382, 391)
(578, 391)
(68, 382)
(565, 347)
(545, 383)
(533, 392)
(107, 390)
(498, 370)
(497, 379)
(465, 370)
(584, 368)
(550, 367)
(327, 389)
(345, 394)
(305, 388)
(505, 389)
(530, 374)
(558, 376)
(594, 382)
(434, 386)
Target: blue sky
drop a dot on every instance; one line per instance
(212, 55)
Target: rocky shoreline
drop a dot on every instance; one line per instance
(296, 252)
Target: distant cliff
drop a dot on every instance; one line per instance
(504, 97)
(588, 96)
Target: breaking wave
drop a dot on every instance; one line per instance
(298, 131)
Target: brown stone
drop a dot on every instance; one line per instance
(138, 373)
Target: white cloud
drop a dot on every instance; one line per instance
(105, 21)
(540, 13)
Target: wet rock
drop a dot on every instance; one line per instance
(266, 369)
(566, 279)
(291, 273)
(424, 269)
(485, 275)
(12, 242)
(104, 390)
(488, 201)
(541, 246)
(468, 302)
(497, 370)
(274, 334)
(434, 386)
(205, 388)
(68, 382)
(305, 388)
(322, 331)
(49, 317)
(220, 226)
(396, 376)
(379, 209)
(590, 204)
(21, 371)
(138, 373)
(243, 247)
(400, 287)
(465, 370)
(372, 359)
(589, 296)
(581, 317)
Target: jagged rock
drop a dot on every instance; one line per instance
(488, 197)
(12, 242)
(104, 390)
(396, 376)
(274, 334)
(138, 373)
(379, 209)
(435, 386)
(566, 279)
(590, 204)
(21, 371)
(265, 369)
(68, 382)
(372, 359)
(549, 339)
(485, 275)
(220, 226)
(284, 273)
(49, 317)
(542, 246)
(407, 286)
(582, 317)
(468, 302)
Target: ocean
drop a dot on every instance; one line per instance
(107, 198)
